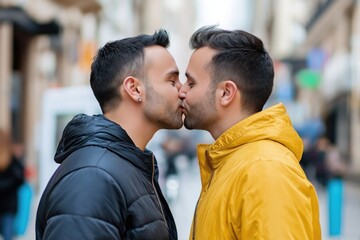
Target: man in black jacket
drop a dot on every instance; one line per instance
(107, 184)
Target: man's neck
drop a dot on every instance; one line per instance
(227, 121)
(135, 126)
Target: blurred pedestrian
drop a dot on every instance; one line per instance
(330, 164)
(176, 144)
(173, 147)
(107, 184)
(11, 178)
(253, 186)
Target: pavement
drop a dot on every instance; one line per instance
(189, 188)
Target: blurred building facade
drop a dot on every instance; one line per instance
(315, 44)
(39, 45)
(50, 44)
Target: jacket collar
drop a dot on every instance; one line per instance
(97, 130)
(272, 124)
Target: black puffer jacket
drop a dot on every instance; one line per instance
(105, 187)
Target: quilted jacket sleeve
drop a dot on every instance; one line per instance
(86, 204)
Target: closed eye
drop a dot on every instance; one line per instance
(190, 84)
(190, 81)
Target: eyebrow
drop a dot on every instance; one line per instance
(189, 76)
(174, 72)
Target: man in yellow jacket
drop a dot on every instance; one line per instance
(252, 184)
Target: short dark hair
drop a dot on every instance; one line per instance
(242, 58)
(118, 59)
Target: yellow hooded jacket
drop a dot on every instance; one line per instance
(252, 184)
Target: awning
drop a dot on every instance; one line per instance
(21, 20)
(84, 5)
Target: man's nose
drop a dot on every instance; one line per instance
(178, 85)
(182, 94)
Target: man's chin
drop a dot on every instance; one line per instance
(177, 124)
(187, 125)
(174, 126)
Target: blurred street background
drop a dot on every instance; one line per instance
(47, 46)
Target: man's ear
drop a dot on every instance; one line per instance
(228, 92)
(133, 87)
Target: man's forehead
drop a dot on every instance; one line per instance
(157, 57)
(204, 52)
(156, 53)
(202, 57)
(155, 49)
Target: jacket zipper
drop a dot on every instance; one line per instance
(194, 224)
(156, 193)
(197, 203)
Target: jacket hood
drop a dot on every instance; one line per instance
(84, 130)
(270, 124)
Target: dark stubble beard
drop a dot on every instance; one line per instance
(202, 113)
(160, 111)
